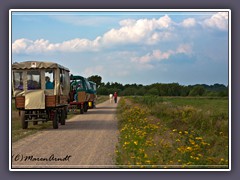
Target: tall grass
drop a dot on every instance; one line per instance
(186, 132)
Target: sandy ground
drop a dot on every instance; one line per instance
(86, 141)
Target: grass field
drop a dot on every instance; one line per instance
(18, 132)
(173, 132)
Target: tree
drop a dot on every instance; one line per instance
(95, 78)
(197, 91)
(153, 91)
(141, 91)
(102, 91)
(129, 91)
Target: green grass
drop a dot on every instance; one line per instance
(101, 98)
(206, 104)
(19, 133)
(170, 132)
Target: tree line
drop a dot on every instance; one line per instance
(159, 89)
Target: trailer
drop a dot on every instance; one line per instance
(80, 93)
(41, 92)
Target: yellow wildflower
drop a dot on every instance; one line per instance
(148, 161)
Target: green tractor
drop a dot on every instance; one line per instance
(81, 94)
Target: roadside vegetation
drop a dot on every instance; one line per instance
(173, 132)
(18, 132)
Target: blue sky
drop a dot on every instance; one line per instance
(127, 47)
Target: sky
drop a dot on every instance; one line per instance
(127, 47)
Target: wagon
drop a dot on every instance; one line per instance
(41, 92)
(81, 94)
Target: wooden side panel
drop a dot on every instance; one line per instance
(63, 100)
(20, 101)
(81, 96)
(50, 101)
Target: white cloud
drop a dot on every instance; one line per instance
(158, 55)
(218, 20)
(41, 45)
(189, 22)
(20, 45)
(184, 48)
(133, 31)
(154, 55)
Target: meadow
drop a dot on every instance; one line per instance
(173, 132)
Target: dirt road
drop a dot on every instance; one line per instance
(86, 141)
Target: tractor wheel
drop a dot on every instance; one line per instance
(23, 120)
(85, 107)
(63, 117)
(55, 121)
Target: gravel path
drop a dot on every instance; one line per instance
(86, 141)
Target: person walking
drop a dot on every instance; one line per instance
(110, 97)
(115, 97)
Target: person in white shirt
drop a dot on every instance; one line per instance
(110, 98)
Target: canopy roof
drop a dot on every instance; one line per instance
(37, 65)
(76, 77)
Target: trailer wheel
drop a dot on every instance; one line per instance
(23, 120)
(66, 112)
(63, 117)
(55, 121)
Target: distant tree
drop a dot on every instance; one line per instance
(153, 91)
(129, 91)
(141, 91)
(102, 91)
(223, 93)
(185, 90)
(197, 91)
(97, 79)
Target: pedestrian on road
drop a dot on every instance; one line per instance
(115, 97)
(110, 98)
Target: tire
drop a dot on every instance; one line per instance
(55, 121)
(24, 123)
(66, 112)
(63, 117)
(85, 107)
